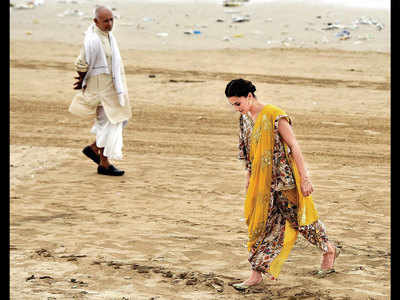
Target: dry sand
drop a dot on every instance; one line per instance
(172, 227)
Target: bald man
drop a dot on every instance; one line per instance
(103, 92)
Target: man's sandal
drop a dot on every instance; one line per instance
(88, 151)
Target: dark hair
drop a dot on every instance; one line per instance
(239, 87)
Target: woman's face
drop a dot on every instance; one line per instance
(241, 104)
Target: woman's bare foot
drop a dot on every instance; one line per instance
(328, 258)
(255, 278)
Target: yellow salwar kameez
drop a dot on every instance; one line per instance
(275, 209)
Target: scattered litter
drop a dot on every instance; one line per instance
(332, 26)
(344, 35)
(238, 35)
(146, 19)
(28, 4)
(227, 4)
(240, 19)
(192, 32)
(233, 3)
(226, 39)
(220, 20)
(287, 41)
(162, 34)
(68, 1)
(72, 12)
(368, 20)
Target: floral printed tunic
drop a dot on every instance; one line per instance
(282, 175)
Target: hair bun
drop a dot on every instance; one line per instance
(239, 88)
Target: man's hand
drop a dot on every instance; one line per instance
(78, 83)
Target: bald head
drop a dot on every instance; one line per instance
(103, 18)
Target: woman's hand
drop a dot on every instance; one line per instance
(306, 186)
(248, 181)
(286, 132)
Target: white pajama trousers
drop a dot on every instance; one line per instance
(108, 135)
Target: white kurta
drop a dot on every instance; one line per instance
(99, 100)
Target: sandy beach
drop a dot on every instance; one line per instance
(172, 227)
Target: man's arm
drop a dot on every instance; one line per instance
(81, 68)
(78, 83)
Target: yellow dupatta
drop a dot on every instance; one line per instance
(258, 196)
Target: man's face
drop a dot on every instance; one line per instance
(105, 20)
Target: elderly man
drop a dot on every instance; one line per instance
(104, 94)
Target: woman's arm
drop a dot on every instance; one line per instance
(286, 132)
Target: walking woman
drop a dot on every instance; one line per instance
(278, 202)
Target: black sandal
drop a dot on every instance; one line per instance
(111, 170)
(88, 151)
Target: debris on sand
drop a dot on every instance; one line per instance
(233, 3)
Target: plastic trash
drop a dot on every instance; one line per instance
(240, 19)
(287, 41)
(368, 20)
(29, 4)
(344, 35)
(162, 34)
(332, 26)
(24, 6)
(68, 1)
(233, 3)
(196, 32)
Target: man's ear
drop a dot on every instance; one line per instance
(95, 21)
